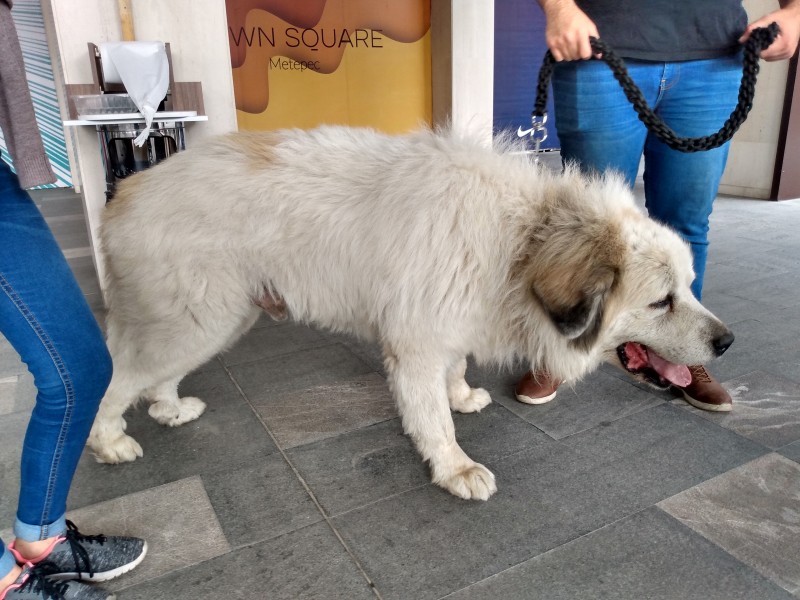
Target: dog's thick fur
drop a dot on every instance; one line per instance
(431, 244)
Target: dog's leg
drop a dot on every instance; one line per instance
(463, 398)
(107, 440)
(169, 409)
(420, 389)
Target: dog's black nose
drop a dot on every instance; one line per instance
(722, 343)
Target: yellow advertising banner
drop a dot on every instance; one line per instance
(302, 63)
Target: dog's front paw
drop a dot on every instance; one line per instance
(122, 448)
(474, 482)
(174, 414)
(477, 399)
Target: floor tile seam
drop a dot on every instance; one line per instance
(708, 481)
(534, 425)
(488, 463)
(550, 550)
(784, 447)
(215, 516)
(610, 524)
(769, 309)
(661, 402)
(161, 576)
(746, 545)
(66, 219)
(734, 262)
(787, 299)
(306, 486)
(713, 542)
(22, 411)
(279, 408)
(746, 235)
(72, 204)
(694, 412)
(764, 450)
(279, 355)
(181, 568)
(342, 432)
(232, 550)
(50, 210)
(391, 496)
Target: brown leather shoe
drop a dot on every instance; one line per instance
(705, 392)
(536, 388)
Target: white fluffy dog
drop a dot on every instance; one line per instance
(431, 244)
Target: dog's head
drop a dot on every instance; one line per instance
(658, 326)
(615, 283)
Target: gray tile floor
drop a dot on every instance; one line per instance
(297, 482)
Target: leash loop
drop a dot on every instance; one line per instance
(759, 40)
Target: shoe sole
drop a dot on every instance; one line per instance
(542, 400)
(725, 407)
(105, 575)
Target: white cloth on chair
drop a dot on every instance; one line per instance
(143, 68)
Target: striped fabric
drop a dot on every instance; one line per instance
(30, 27)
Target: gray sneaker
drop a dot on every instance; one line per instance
(34, 584)
(91, 557)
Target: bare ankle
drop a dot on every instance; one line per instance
(33, 550)
(10, 578)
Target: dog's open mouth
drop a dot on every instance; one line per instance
(640, 360)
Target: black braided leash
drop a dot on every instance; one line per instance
(758, 41)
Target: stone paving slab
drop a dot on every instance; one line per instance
(753, 513)
(309, 564)
(648, 555)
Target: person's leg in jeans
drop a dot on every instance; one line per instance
(44, 316)
(596, 123)
(680, 187)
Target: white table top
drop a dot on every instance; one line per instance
(121, 119)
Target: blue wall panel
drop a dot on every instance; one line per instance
(519, 47)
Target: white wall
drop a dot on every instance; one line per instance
(463, 65)
(473, 66)
(197, 33)
(751, 160)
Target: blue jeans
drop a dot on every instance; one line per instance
(600, 130)
(44, 316)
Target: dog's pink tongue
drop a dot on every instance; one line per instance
(676, 374)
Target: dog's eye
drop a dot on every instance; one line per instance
(665, 303)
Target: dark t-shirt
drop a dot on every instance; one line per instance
(668, 30)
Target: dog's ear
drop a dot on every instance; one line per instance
(571, 274)
(576, 305)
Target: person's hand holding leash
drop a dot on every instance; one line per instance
(568, 30)
(788, 19)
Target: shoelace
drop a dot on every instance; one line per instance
(699, 374)
(79, 554)
(38, 582)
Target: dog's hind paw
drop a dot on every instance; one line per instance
(119, 450)
(177, 413)
(477, 399)
(472, 483)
